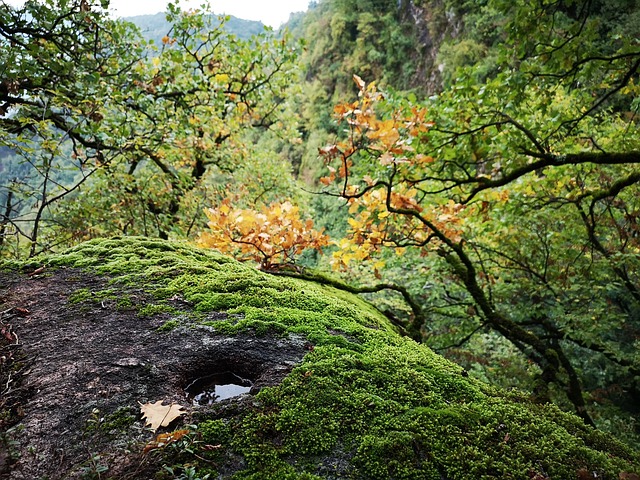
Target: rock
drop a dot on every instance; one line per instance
(335, 391)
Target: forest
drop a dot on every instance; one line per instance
(472, 168)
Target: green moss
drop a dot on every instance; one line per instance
(119, 420)
(124, 303)
(81, 295)
(156, 308)
(387, 406)
(215, 432)
(86, 297)
(115, 423)
(169, 325)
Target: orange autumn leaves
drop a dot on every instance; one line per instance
(389, 138)
(373, 225)
(375, 169)
(271, 236)
(387, 207)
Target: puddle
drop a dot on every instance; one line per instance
(217, 387)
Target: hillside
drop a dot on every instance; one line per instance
(154, 27)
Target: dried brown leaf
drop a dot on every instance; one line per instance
(164, 439)
(158, 415)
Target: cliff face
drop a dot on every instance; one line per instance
(319, 383)
(432, 25)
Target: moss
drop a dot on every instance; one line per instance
(86, 297)
(215, 431)
(81, 295)
(169, 325)
(155, 308)
(115, 423)
(124, 303)
(120, 420)
(387, 406)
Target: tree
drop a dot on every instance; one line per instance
(148, 123)
(60, 66)
(521, 191)
(273, 236)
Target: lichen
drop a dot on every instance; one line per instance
(379, 404)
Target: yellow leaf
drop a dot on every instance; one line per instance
(354, 223)
(386, 159)
(359, 82)
(420, 158)
(368, 180)
(164, 439)
(326, 181)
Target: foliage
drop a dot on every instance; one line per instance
(521, 192)
(137, 132)
(272, 236)
(506, 204)
(380, 39)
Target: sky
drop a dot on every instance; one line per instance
(269, 12)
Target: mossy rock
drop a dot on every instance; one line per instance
(359, 401)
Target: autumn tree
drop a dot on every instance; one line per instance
(520, 192)
(273, 236)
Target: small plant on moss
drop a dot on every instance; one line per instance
(188, 452)
(185, 473)
(94, 468)
(10, 444)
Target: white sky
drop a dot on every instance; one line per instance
(269, 12)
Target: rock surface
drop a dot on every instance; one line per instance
(336, 393)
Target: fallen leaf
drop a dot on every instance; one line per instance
(539, 476)
(211, 448)
(584, 474)
(158, 415)
(164, 439)
(533, 475)
(36, 272)
(6, 332)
